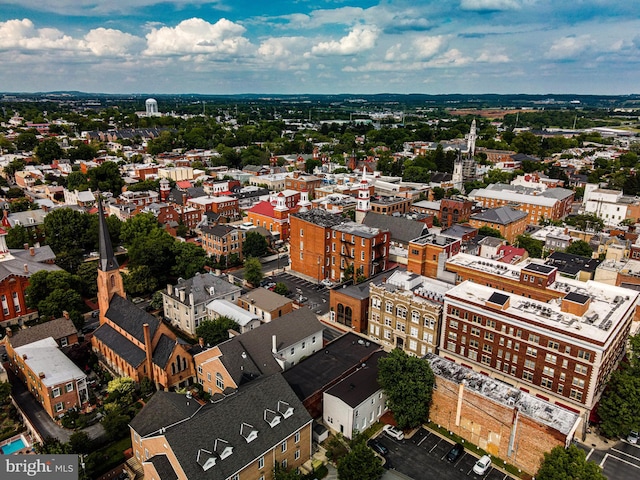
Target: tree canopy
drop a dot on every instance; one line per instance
(360, 463)
(253, 270)
(568, 464)
(531, 245)
(408, 383)
(215, 331)
(580, 247)
(254, 245)
(54, 292)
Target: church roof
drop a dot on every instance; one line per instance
(130, 318)
(120, 345)
(162, 352)
(262, 208)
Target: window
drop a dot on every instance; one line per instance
(473, 355)
(548, 371)
(528, 376)
(56, 392)
(577, 382)
(208, 376)
(261, 463)
(475, 331)
(529, 364)
(532, 352)
(581, 369)
(375, 302)
(283, 446)
(59, 407)
(488, 336)
(415, 316)
(549, 358)
(219, 381)
(297, 455)
(486, 359)
(576, 395)
(534, 338)
(401, 312)
(388, 307)
(584, 355)
(453, 324)
(413, 345)
(553, 345)
(68, 387)
(487, 348)
(284, 463)
(547, 383)
(297, 437)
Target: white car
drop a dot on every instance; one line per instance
(327, 283)
(482, 465)
(632, 437)
(393, 432)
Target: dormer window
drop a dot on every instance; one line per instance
(248, 432)
(272, 418)
(206, 459)
(285, 409)
(222, 448)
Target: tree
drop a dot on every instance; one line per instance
(5, 392)
(106, 178)
(79, 442)
(531, 245)
(408, 383)
(26, 141)
(139, 280)
(18, 236)
(620, 403)
(568, 464)
(281, 288)
(189, 259)
(48, 151)
(253, 270)
(580, 247)
(121, 390)
(360, 464)
(54, 292)
(116, 424)
(311, 164)
(489, 232)
(51, 446)
(215, 331)
(254, 245)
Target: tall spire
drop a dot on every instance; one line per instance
(107, 258)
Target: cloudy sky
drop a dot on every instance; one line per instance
(320, 46)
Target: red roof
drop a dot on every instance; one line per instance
(510, 253)
(184, 184)
(262, 208)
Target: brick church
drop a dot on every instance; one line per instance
(129, 341)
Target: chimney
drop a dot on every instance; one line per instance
(41, 375)
(26, 246)
(32, 251)
(8, 332)
(274, 344)
(26, 268)
(65, 314)
(148, 349)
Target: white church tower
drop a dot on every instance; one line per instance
(471, 139)
(364, 199)
(304, 204)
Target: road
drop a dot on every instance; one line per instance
(620, 461)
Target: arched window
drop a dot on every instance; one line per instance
(219, 381)
(178, 363)
(340, 318)
(348, 316)
(113, 280)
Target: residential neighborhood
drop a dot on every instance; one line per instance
(175, 307)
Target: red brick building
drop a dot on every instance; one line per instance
(454, 210)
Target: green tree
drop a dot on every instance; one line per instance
(254, 245)
(585, 221)
(51, 446)
(26, 141)
(5, 392)
(531, 245)
(568, 464)
(18, 236)
(116, 424)
(48, 151)
(253, 271)
(580, 247)
(139, 280)
(77, 181)
(106, 178)
(489, 232)
(360, 464)
(215, 331)
(121, 390)
(88, 274)
(281, 288)
(408, 383)
(311, 164)
(140, 225)
(54, 292)
(79, 442)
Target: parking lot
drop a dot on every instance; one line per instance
(423, 457)
(309, 294)
(620, 462)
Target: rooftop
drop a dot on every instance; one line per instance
(361, 384)
(265, 299)
(58, 328)
(609, 308)
(539, 410)
(501, 215)
(435, 239)
(44, 356)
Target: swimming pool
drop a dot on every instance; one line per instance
(13, 446)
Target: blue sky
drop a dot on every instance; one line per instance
(320, 46)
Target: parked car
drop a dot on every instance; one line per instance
(378, 447)
(327, 283)
(482, 465)
(632, 437)
(456, 451)
(393, 432)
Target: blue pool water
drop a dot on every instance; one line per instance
(12, 447)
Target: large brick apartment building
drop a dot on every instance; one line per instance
(324, 245)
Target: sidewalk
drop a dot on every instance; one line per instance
(593, 440)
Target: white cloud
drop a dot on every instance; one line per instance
(106, 41)
(493, 57)
(567, 48)
(198, 36)
(359, 39)
(492, 5)
(23, 35)
(278, 47)
(427, 46)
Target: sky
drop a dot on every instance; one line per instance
(320, 46)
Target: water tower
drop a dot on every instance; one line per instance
(151, 106)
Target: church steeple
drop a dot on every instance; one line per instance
(109, 279)
(107, 258)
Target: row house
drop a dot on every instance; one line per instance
(325, 245)
(427, 254)
(224, 206)
(562, 351)
(222, 242)
(405, 312)
(303, 183)
(139, 199)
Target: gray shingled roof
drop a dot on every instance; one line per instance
(40, 254)
(256, 344)
(200, 285)
(163, 466)
(500, 215)
(224, 421)
(58, 328)
(131, 318)
(361, 384)
(163, 409)
(402, 229)
(121, 345)
(162, 352)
